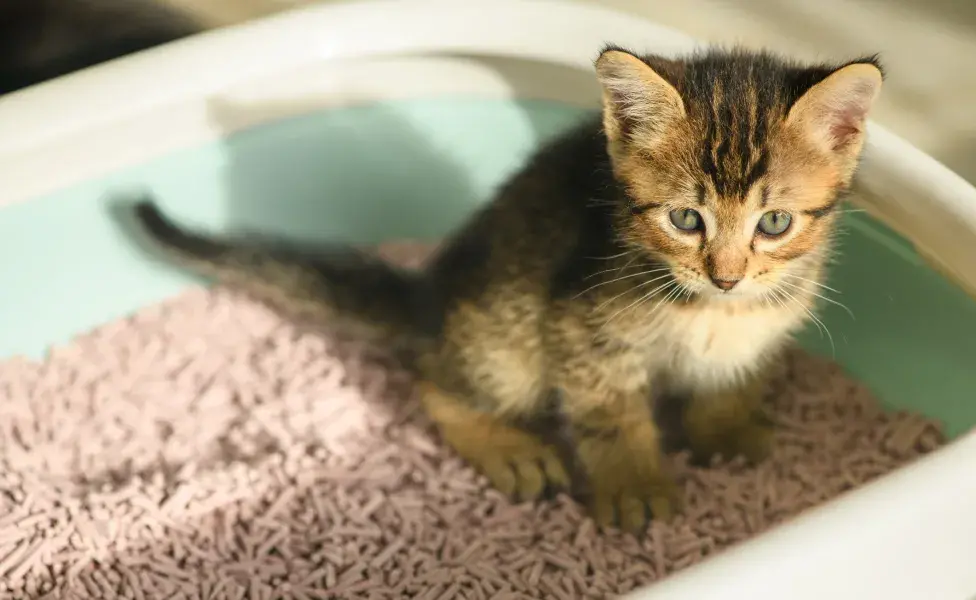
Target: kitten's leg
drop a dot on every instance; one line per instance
(619, 447)
(516, 462)
(729, 422)
(486, 376)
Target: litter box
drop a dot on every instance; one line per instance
(390, 120)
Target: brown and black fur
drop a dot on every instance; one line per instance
(573, 278)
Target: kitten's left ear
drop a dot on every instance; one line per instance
(833, 112)
(636, 99)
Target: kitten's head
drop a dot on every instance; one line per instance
(733, 162)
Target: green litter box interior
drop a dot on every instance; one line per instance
(415, 169)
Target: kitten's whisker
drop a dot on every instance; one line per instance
(639, 300)
(626, 264)
(820, 324)
(621, 278)
(774, 293)
(818, 284)
(636, 287)
(621, 269)
(685, 291)
(669, 299)
(780, 294)
(666, 300)
(613, 256)
(824, 298)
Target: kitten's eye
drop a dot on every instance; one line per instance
(686, 219)
(774, 223)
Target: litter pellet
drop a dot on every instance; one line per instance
(205, 448)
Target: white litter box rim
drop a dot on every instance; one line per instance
(907, 536)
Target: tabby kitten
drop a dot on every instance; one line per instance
(667, 249)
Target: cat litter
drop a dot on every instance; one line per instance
(205, 448)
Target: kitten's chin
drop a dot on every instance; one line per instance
(723, 297)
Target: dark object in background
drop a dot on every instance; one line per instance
(44, 39)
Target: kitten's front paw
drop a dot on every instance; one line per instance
(630, 499)
(517, 463)
(628, 485)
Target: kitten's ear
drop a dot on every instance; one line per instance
(636, 100)
(833, 113)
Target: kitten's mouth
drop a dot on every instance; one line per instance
(739, 293)
(696, 287)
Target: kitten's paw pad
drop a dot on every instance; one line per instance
(632, 502)
(752, 440)
(516, 463)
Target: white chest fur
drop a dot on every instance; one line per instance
(715, 345)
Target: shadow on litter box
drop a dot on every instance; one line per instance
(358, 175)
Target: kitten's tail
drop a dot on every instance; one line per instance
(340, 283)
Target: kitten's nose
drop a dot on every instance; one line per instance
(725, 284)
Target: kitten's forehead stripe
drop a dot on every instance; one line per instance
(711, 149)
(736, 122)
(735, 99)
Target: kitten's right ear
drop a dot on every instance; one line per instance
(637, 102)
(833, 112)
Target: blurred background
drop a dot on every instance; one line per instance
(927, 45)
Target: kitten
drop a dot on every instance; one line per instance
(44, 39)
(669, 248)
